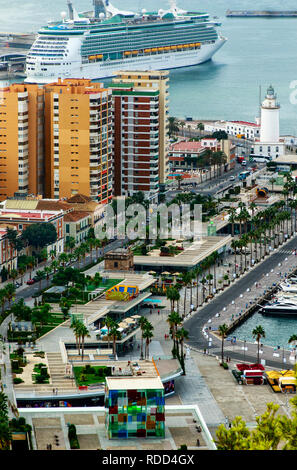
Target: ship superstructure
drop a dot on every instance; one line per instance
(98, 43)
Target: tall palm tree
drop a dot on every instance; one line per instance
(115, 335)
(187, 281)
(173, 295)
(10, 291)
(174, 320)
(181, 335)
(147, 335)
(83, 333)
(258, 333)
(109, 323)
(143, 324)
(293, 339)
(232, 218)
(223, 332)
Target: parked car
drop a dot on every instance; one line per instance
(232, 178)
(30, 282)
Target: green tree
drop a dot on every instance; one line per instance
(172, 125)
(10, 292)
(40, 235)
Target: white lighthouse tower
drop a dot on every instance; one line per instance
(270, 118)
(269, 145)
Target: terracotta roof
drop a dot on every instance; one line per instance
(184, 146)
(75, 216)
(246, 123)
(52, 205)
(79, 198)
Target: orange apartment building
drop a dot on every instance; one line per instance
(21, 140)
(78, 140)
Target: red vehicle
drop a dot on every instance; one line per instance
(240, 159)
(30, 282)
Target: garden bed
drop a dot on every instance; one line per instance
(90, 375)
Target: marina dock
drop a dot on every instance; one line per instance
(13, 51)
(260, 14)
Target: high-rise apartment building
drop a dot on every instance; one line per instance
(21, 140)
(140, 106)
(78, 140)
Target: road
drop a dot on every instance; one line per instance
(195, 324)
(27, 292)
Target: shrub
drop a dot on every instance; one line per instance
(17, 380)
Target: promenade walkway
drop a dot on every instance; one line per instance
(229, 307)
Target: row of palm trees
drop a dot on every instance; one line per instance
(178, 336)
(199, 276)
(268, 227)
(258, 333)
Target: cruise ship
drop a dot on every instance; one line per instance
(98, 43)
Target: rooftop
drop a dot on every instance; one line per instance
(132, 383)
(189, 257)
(181, 423)
(246, 123)
(186, 146)
(75, 216)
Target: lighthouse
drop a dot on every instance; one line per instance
(269, 118)
(270, 144)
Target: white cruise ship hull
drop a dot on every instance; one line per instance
(101, 70)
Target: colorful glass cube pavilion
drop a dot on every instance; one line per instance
(134, 407)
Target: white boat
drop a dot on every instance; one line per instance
(98, 43)
(286, 287)
(282, 307)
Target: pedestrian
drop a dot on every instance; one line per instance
(158, 312)
(56, 391)
(150, 311)
(53, 391)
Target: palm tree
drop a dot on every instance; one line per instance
(232, 218)
(223, 332)
(115, 334)
(75, 327)
(187, 281)
(3, 297)
(47, 270)
(174, 320)
(173, 295)
(181, 335)
(147, 335)
(70, 244)
(200, 126)
(63, 258)
(272, 181)
(10, 291)
(179, 179)
(83, 332)
(97, 244)
(258, 333)
(109, 323)
(142, 323)
(13, 275)
(172, 125)
(293, 339)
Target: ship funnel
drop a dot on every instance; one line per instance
(99, 7)
(70, 9)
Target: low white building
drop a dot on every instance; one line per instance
(250, 130)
